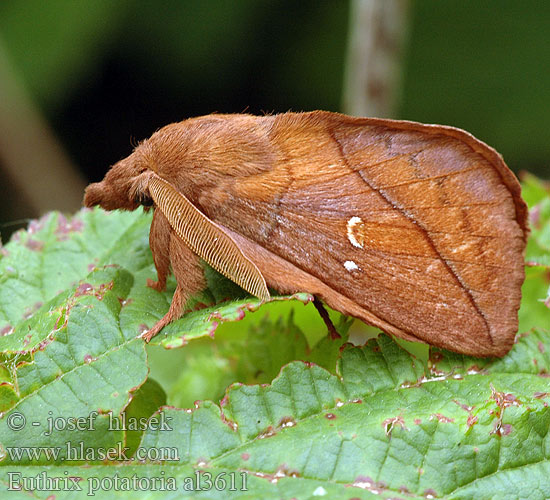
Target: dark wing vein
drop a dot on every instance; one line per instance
(424, 231)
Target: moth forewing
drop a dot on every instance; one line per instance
(422, 226)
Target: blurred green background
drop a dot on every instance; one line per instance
(95, 77)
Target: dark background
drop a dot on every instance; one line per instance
(105, 74)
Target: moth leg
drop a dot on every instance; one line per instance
(190, 277)
(159, 241)
(176, 307)
(326, 318)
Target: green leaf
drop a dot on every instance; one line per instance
(535, 307)
(254, 354)
(145, 401)
(86, 368)
(55, 253)
(81, 395)
(204, 322)
(533, 189)
(386, 425)
(538, 247)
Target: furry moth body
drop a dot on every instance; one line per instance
(417, 229)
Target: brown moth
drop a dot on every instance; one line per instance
(419, 230)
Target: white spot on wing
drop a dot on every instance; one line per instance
(354, 221)
(432, 267)
(350, 265)
(462, 248)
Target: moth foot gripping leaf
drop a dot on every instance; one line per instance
(155, 285)
(417, 229)
(174, 312)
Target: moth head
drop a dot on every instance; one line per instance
(125, 186)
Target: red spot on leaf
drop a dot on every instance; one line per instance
(103, 289)
(230, 423)
(441, 418)
(330, 416)
(390, 423)
(245, 456)
(282, 471)
(269, 432)
(503, 400)
(34, 245)
(48, 340)
(287, 422)
(534, 216)
(505, 429)
(465, 407)
(475, 370)
(436, 356)
(65, 227)
(366, 483)
(363, 482)
(6, 330)
(83, 289)
(88, 358)
(213, 329)
(31, 310)
(541, 347)
(36, 225)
